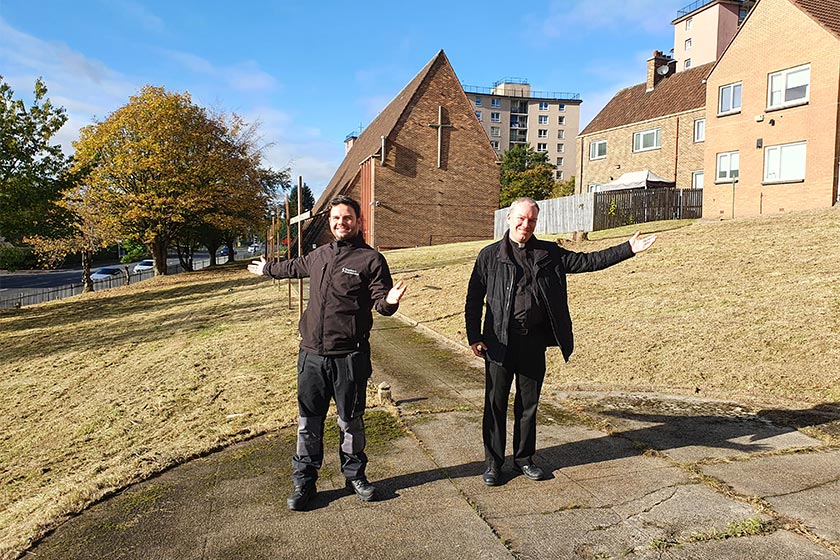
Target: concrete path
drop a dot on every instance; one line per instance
(632, 476)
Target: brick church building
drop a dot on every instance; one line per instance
(424, 170)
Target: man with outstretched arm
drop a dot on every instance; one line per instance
(347, 279)
(520, 285)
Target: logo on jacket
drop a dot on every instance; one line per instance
(346, 270)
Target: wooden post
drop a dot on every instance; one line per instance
(288, 243)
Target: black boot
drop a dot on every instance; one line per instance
(301, 496)
(364, 489)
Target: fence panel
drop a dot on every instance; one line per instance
(557, 215)
(636, 206)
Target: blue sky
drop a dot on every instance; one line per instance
(311, 72)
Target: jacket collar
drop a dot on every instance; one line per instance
(541, 255)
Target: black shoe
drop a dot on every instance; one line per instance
(364, 489)
(301, 496)
(531, 471)
(490, 477)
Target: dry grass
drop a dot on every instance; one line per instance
(105, 389)
(102, 390)
(743, 309)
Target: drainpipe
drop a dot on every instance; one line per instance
(677, 151)
(382, 152)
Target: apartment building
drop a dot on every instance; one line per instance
(703, 29)
(512, 115)
(773, 124)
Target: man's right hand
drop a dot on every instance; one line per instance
(479, 349)
(257, 267)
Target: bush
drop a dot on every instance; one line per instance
(15, 258)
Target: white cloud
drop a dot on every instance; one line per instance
(138, 13)
(565, 17)
(244, 76)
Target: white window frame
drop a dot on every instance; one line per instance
(687, 64)
(561, 107)
(542, 133)
(496, 131)
(595, 149)
(697, 178)
(495, 117)
(559, 174)
(560, 161)
(495, 144)
(542, 147)
(477, 101)
(543, 105)
(725, 163)
(730, 109)
(688, 44)
(561, 120)
(561, 148)
(688, 24)
(495, 103)
(639, 140)
(780, 89)
(775, 169)
(561, 134)
(542, 119)
(478, 115)
(700, 130)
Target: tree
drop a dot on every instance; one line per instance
(30, 166)
(161, 164)
(525, 172)
(563, 188)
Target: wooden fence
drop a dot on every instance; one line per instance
(605, 210)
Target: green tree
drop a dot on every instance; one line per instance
(563, 188)
(161, 164)
(525, 172)
(30, 165)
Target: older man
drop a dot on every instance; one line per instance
(520, 283)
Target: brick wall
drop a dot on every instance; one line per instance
(776, 36)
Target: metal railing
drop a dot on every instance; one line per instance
(557, 95)
(68, 290)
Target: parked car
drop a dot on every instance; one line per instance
(254, 248)
(142, 266)
(106, 273)
(223, 251)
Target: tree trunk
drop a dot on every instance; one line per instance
(159, 251)
(86, 281)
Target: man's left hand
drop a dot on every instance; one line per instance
(641, 245)
(396, 293)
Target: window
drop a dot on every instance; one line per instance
(495, 131)
(562, 106)
(697, 180)
(495, 117)
(495, 144)
(688, 24)
(561, 120)
(542, 119)
(561, 134)
(647, 140)
(478, 102)
(542, 133)
(784, 163)
(561, 148)
(560, 175)
(543, 105)
(789, 87)
(495, 103)
(478, 115)
(729, 99)
(542, 147)
(598, 150)
(560, 162)
(688, 44)
(700, 130)
(727, 167)
(687, 64)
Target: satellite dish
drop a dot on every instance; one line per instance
(662, 70)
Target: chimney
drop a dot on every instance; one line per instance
(349, 141)
(658, 67)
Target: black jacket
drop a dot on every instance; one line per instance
(346, 280)
(492, 286)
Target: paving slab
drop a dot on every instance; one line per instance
(780, 545)
(804, 486)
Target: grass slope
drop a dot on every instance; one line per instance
(105, 389)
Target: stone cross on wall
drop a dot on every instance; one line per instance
(440, 126)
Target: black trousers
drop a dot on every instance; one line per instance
(525, 362)
(320, 379)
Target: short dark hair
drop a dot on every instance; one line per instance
(347, 201)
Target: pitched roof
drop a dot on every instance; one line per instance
(370, 140)
(824, 12)
(680, 92)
